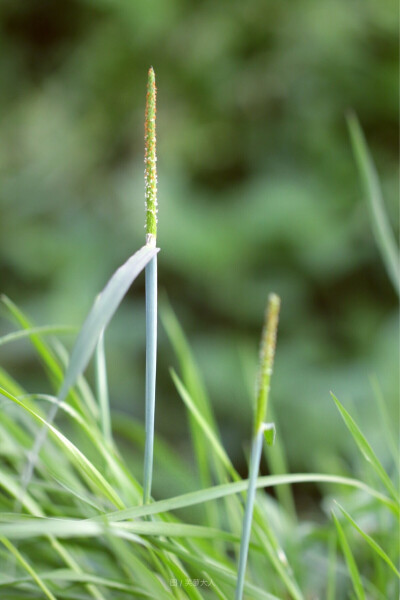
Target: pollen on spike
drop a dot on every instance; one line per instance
(150, 158)
(267, 354)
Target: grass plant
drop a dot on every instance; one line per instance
(79, 523)
(261, 429)
(151, 280)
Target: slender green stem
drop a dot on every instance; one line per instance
(267, 354)
(151, 358)
(150, 159)
(255, 458)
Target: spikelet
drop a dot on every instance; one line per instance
(150, 160)
(267, 354)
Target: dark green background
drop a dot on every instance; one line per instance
(258, 192)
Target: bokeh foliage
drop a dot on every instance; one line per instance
(258, 192)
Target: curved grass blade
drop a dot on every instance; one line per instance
(351, 563)
(28, 568)
(196, 390)
(101, 314)
(376, 547)
(44, 330)
(84, 466)
(204, 425)
(366, 449)
(27, 528)
(220, 491)
(127, 485)
(221, 573)
(51, 364)
(380, 224)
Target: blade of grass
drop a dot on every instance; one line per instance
(223, 574)
(28, 568)
(45, 352)
(220, 491)
(380, 224)
(196, 390)
(366, 449)
(351, 563)
(84, 466)
(376, 547)
(100, 315)
(218, 449)
(45, 330)
(29, 528)
(151, 360)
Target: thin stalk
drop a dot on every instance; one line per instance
(267, 353)
(150, 160)
(255, 458)
(151, 358)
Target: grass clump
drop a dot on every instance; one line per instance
(81, 522)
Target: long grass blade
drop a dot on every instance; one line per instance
(237, 487)
(366, 449)
(374, 545)
(380, 223)
(351, 563)
(28, 568)
(100, 315)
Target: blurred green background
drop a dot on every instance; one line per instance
(258, 192)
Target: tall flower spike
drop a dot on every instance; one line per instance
(267, 354)
(150, 160)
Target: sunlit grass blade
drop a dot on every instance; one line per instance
(77, 528)
(117, 474)
(45, 330)
(84, 466)
(28, 568)
(366, 449)
(380, 224)
(217, 447)
(221, 573)
(376, 547)
(196, 390)
(45, 352)
(220, 491)
(351, 563)
(70, 576)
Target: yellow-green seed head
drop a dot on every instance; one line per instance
(150, 160)
(267, 354)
